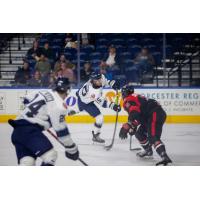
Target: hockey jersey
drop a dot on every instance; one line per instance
(45, 108)
(139, 108)
(87, 93)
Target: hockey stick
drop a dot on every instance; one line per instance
(79, 159)
(115, 128)
(130, 146)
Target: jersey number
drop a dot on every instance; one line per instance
(34, 107)
(84, 90)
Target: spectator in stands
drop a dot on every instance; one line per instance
(64, 60)
(108, 76)
(48, 51)
(35, 51)
(36, 80)
(86, 71)
(70, 38)
(68, 73)
(48, 80)
(58, 63)
(110, 63)
(143, 62)
(70, 41)
(111, 59)
(144, 58)
(58, 73)
(84, 38)
(23, 74)
(43, 65)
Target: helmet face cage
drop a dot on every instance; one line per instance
(127, 91)
(62, 85)
(95, 76)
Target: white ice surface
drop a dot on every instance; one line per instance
(182, 143)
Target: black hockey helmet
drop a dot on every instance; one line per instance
(96, 75)
(62, 85)
(127, 90)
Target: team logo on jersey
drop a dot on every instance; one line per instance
(70, 101)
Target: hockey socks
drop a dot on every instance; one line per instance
(147, 149)
(160, 149)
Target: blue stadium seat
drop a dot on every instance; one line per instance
(42, 41)
(57, 41)
(126, 56)
(68, 55)
(157, 57)
(61, 35)
(96, 63)
(131, 74)
(87, 49)
(70, 50)
(56, 50)
(169, 50)
(96, 56)
(117, 41)
(147, 41)
(152, 48)
(104, 35)
(122, 78)
(75, 62)
(48, 36)
(32, 63)
(128, 63)
(84, 56)
(135, 49)
(102, 49)
(131, 41)
(102, 41)
(120, 48)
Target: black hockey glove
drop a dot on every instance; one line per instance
(71, 112)
(115, 84)
(72, 152)
(127, 128)
(115, 107)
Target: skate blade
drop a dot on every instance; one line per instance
(146, 157)
(136, 149)
(98, 143)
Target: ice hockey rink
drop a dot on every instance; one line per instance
(182, 144)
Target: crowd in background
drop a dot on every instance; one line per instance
(49, 66)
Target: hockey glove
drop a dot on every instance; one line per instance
(72, 152)
(115, 107)
(115, 84)
(71, 112)
(123, 134)
(127, 128)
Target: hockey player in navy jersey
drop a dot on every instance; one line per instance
(145, 119)
(43, 110)
(92, 92)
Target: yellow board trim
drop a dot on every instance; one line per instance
(111, 119)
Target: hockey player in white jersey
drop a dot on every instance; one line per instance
(92, 92)
(43, 110)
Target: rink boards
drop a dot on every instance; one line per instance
(182, 105)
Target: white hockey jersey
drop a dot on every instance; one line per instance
(89, 94)
(45, 108)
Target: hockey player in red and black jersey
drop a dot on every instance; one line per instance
(145, 119)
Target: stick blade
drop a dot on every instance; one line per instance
(108, 147)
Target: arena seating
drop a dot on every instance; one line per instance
(127, 46)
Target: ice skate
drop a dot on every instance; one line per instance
(145, 154)
(96, 138)
(165, 161)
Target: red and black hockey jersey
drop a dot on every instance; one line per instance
(139, 108)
